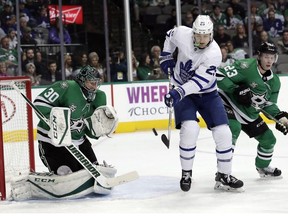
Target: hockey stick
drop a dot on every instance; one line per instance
(267, 114)
(164, 138)
(81, 158)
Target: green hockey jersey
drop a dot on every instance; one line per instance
(265, 88)
(67, 94)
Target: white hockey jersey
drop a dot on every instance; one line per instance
(195, 69)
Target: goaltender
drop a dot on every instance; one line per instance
(90, 117)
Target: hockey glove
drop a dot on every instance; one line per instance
(243, 95)
(167, 62)
(174, 96)
(282, 125)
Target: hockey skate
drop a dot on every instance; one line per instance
(269, 173)
(185, 182)
(228, 183)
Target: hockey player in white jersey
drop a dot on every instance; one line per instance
(193, 76)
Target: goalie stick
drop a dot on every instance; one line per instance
(164, 138)
(81, 158)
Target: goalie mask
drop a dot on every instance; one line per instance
(89, 80)
(202, 31)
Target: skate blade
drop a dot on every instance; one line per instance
(269, 177)
(221, 187)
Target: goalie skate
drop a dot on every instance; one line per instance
(228, 183)
(269, 173)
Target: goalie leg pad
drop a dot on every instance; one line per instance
(21, 188)
(51, 186)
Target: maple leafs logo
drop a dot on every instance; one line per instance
(185, 71)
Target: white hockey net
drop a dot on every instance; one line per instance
(16, 131)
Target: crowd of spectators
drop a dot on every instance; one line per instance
(269, 22)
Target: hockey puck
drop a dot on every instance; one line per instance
(154, 131)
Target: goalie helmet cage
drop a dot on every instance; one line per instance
(16, 131)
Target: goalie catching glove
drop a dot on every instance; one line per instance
(282, 125)
(103, 121)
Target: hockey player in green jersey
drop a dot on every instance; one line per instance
(90, 117)
(247, 87)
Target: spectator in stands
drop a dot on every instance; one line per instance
(221, 37)
(255, 18)
(273, 25)
(54, 32)
(29, 57)
(232, 20)
(144, 70)
(9, 56)
(42, 18)
(23, 10)
(226, 59)
(23, 24)
(40, 62)
(195, 12)
(118, 67)
(278, 14)
(282, 43)
(263, 8)
(81, 60)
(68, 66)
(93, 60)
(27, 38)
(42, 25)
(2, 32)
(135, 65)
(155, 54)
(259, 39)
(30, 71)
(9, 22)
(240, 39)
(7, 11)
(52, 74)
(238, 9)
(12, 34)
(171, 21)
(188, 20)
(3, 69)
(281, 6)
(237, 53)
(286, 18)
(218, 17)
(258, 30)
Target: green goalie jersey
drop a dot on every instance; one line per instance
(265, 88)
(67, 94)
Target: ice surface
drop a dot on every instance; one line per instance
(157, 190)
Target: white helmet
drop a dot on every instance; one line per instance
(203, 25)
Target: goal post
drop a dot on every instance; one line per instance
(16, 131)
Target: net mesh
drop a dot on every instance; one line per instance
(15, 130)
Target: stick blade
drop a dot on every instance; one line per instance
(165, 140)
(122, 179)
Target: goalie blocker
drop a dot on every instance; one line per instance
(51, 186)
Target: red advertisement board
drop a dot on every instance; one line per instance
(71, 14)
